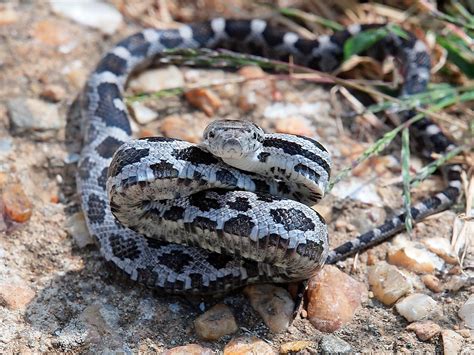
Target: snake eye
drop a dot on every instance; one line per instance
(211, 134)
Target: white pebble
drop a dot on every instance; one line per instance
(92, 13)
(418, 306)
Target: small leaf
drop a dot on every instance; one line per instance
(458, 54)
(363, 41)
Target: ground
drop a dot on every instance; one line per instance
(80, 304)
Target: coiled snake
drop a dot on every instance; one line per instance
(204, 223)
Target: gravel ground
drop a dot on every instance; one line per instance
(61, 294)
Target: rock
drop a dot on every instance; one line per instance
(295, 125)
(252, 89)
(295, 346)
(465, 333)
(75, 73)
(15, 296)
(417, 307)
(190, 349)
(357, 189)
(215, 323)
(6, 146)
(424, 330)
(333, 298)
(92, 13)
(143, 114)
(54, 93)
(413, 256)
(183, 127)
(248, 345)
(432, 282)
(76, 227)
(50, 32)
(456, 282)
(466, 312)
(442, 247)
(274, 304)
(205, 100)
(17, 206)
(388, 283)
(331, 344)
(8, 15)
(39, 118)
(154, 80)
(452, 342)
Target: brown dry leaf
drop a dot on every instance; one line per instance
(205, 100)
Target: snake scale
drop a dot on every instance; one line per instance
(200, 223)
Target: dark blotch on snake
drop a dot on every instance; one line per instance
(164, 170)
(307, 172)
(204, 201)
(106, 109)
(175, 260)
(174, 213)
(112, 63)
(102, 179)
(108, 147)
(292, 148)
(96, 208)
(226, 177)
(85, 167)
(239, 225)
(170, 38)
(237, 29)
(195, 155)
(125, 157)
(262, 157)
(124, 248)
(292, 219)
(240, 204)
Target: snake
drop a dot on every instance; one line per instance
(235, 209)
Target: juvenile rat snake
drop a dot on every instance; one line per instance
(240, 219)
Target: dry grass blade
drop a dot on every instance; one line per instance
(463, 229)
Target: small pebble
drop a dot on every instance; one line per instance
(36, 117)
(413, 256)
(432, 282)
(183, 127)
(424, 330)
(154, 80)
(331, 344)
(8, 15)
(452, 342)
(442, 247)
(274, 304)
(6, 146)
(215, 323)
(388, 283)
(418, 306)
(466, 312)
(76, 227)
(299, 125)
(92, 13)
(190, 349)
(333, 298)
(295, 346)
(248, 345)
(54, 93)
(15, 296)
(205, 100)
(50, 32)
(465, 333)
(456, 282)
(143, 114)
(17, 206)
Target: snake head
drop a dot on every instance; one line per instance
(229, 139)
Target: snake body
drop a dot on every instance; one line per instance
(182, 219)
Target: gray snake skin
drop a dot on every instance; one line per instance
(201, 223)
